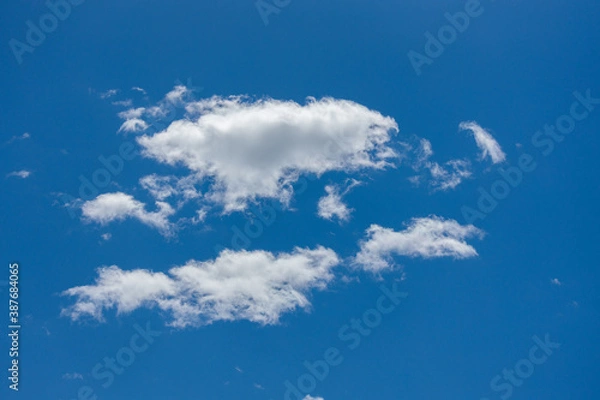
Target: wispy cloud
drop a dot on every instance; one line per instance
(19, 174)
(19, 137)
(485, 141)
(109, 93)
(138, 89)
(439, 177)
(448, 176)
(72, 376)
(163, 187)
(123, 103)
(133, 121)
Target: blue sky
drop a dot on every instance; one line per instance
(285, 175)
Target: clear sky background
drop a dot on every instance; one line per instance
(512, 70)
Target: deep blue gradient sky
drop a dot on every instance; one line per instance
(514, 69)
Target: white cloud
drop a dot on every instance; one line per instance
(331, 205)
(117, 206)
(138, 89)
(485, 141)
(133, 125)
(201, 215)
(136, 119)
(19, 174)
(556, 282)
(163, 187)
(309, 397)
(257, 286)
(256, 149)
(424, 152)
(429, 237)
(177, 94)
(132, 113)
(106, 236)
(198, 217)
(448, 176)
(441, 177)
(123, 103)
(20, 137)
(133, 121)
(109, 93)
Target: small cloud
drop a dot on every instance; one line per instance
(20, 137)
(556, 282)
(442, 177)
(488, 146)
(163, 187)
(118, 206)
(424, 151)
(427, 238)
(574, 304)
(177, 94)
(133, 121)
(200, 215)
(449, 176)
(138, 89)
(309, 397)
(19, 174)
(109, 93)
(194, 220)
(189, 85)
(123, 103)
(238, 369)
(106, 236)
(258, 386)
(72, 376)
(331, 205)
